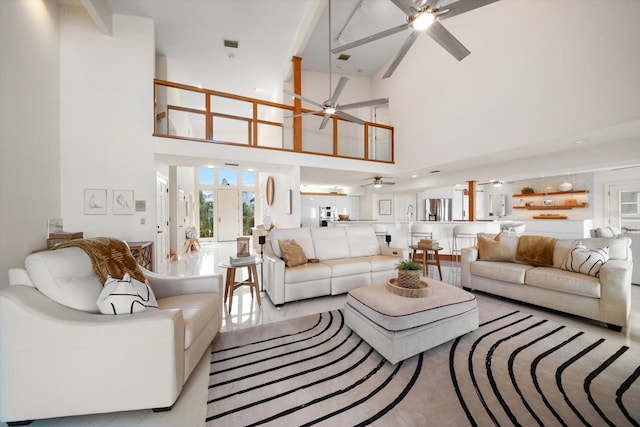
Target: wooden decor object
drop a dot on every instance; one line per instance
(270, 190)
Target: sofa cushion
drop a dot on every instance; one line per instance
(586, 261)
(307, 272)
(563, 281)
(302, 236)
(536, 250)
(504, 271)
(362, 241)
(292, 253)
(382, 262)
(330, 243)
(347, 266)
(66, 276)
(619, 248)
(498, 248)
(126, 296)
(198, 311)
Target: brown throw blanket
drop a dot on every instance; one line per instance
(536, 250)
(109, 257)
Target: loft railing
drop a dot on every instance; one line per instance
(196, 114)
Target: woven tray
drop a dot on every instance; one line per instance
(423, 290)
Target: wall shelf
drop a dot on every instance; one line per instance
(552, 207)
(551, 193)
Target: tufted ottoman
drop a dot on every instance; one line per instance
(399, 327)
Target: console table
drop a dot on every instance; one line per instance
(143, 253)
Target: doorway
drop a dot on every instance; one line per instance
(162, 224)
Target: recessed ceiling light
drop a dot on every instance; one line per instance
(414, 176)
(257, 89)
(582, 141)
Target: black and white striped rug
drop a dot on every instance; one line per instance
(516, 369)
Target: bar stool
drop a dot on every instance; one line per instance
(463, 236)
(420, 231)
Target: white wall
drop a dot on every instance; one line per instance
(29, 128)
(282, 182)
(106, 121)
(533, 77)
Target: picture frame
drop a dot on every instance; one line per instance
(123, 202)
(384, 207)
(242, 247)
(288, 200)
(95, 201)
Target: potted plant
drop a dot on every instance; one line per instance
(409, 273)
(527, 190)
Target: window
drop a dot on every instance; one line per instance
(630, 203)
(248, 178)
(248, 211)
(206, 214)
(205, 176)
(227, 177)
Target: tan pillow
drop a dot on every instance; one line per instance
(492, 249)
(292, 253)
(536, 250)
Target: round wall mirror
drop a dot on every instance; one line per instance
(270, 190)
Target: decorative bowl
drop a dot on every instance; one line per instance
(343, 217)
(565, 186)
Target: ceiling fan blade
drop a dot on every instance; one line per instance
(387, 183)
(462, 6)
(447, 41)
(362, 104)
(325, 120)
(308, 113)
(349, 117)
(304, 99)
(371, 38)
(336, 93)
(403, 51)
(407, 6)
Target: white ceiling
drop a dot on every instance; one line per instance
(270, 32)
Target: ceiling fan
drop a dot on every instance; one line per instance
(331, 106)
(423, 16)
(378, 182)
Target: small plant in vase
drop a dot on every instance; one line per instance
(527, 190)
(409, 273)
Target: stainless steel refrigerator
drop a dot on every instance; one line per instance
(438, 209)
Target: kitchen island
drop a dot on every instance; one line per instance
(400, 231)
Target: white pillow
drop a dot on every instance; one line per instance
(586, 261)
(126, 296)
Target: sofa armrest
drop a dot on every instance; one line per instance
(56, 361)
(391, 251)
(468, 255)
(274, 278)
(168, 286)
(615, 294)
(19, 276)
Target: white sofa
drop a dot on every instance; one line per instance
(59, 356)
(349, 257)
(606, 298)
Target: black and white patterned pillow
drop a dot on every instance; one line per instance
(126, 296)
(586, 261)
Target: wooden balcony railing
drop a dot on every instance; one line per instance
(197, 114)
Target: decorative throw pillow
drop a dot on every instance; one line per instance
(586, 261)
(126, 296)
(292, 253)
(493, 249)
(536, 250)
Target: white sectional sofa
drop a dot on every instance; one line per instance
(60, 357)
(348, 257)
(606, 298)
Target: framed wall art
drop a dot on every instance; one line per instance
(384, 207)
(123, 202)
(95, 201)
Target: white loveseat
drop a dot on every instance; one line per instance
(349, 257)
(606, 298)
(59, 356)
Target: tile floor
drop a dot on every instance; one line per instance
(190, 409)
